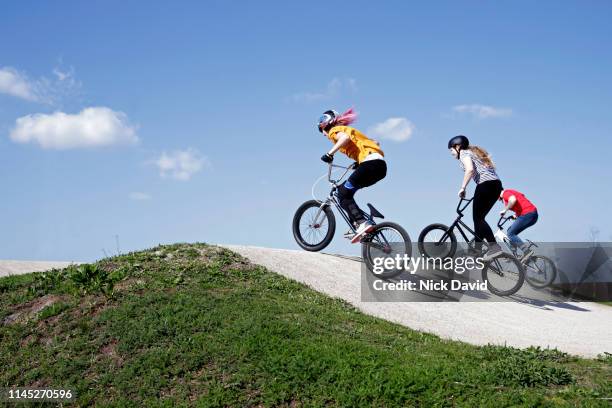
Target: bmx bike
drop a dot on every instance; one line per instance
(504, 273)
(314, 226)
(540, 271)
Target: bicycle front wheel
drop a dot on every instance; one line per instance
(504, 275)
(314, 225)
(540, 271)
(437, 241)
(387, 240)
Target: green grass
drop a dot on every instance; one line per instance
(198, 325)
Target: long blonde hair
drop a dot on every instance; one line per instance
(483, 155)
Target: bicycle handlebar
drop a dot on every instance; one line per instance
(329, 170)
(461, 200)
(503, 220)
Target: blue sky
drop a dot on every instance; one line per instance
(164, 122)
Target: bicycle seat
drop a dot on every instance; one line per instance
(374, 212)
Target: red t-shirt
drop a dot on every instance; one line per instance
(522, 206)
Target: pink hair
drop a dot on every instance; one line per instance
(346, 118)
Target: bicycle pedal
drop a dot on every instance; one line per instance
(349, 234)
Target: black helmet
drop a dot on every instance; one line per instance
(460, 141)
(326, 119)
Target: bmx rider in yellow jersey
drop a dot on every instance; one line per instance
(369, 160)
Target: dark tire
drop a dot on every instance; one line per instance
(313, 237)
(430, 245)
(504, 275)
(388, 239)
(540, 271)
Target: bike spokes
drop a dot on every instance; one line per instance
(439, 237)
(437, 241)
(540, 271)
(388, 240)
(313, 226)
(504, 275)
(383, 241)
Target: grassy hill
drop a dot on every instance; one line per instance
(192, 324)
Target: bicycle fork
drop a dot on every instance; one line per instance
(315, 222)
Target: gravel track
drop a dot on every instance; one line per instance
(579, 328)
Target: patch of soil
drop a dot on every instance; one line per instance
(127, 284)
(110, 350)
(28, 310)
(48, 329)
(240, 265)
(40, 383)
(47, 341)
(26, 341)
(98, 308)
(90, 305)
(108, 266)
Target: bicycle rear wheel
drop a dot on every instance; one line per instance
(504, 275)
(314, 225)
(540, 271)
(387, 240)
(437, 241)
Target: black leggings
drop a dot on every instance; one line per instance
(368, 173)
(485, 196)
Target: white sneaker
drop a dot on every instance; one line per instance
(363, 228)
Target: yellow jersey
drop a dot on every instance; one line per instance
(359, 145)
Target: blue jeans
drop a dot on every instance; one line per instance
(523, 222)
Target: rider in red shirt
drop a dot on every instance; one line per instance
(526, 214)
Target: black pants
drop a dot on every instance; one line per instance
(368, 173)
(484, 199)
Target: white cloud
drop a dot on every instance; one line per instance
(15, 83)
(92, 127)
(50, 91)
(62, 76)
(396, 129)
(181, 164)
(66, 86)
(483, 111)
(139, 196)
(335, 87)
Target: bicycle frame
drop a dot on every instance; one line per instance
(458, 223)
(500, 234)
(495, 263)
(332, 199)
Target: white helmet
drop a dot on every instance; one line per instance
(326, 119)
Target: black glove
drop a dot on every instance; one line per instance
(327, 158)
(354, 165)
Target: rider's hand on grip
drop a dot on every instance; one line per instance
(462, 193)
(327, 158)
